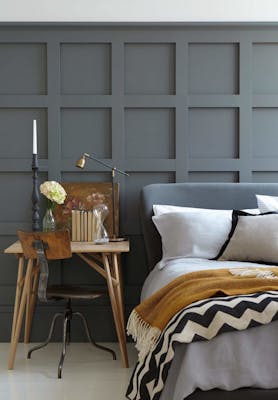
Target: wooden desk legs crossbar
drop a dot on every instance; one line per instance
(21, 297)
(115, 293)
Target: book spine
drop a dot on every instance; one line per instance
(73, 225)
(90, 226)
(94, 227)
(82, 225)
(78, 225)
(85, 220)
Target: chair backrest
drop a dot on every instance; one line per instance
(56, 244)
(45, 246)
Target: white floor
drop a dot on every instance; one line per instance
(88, 373)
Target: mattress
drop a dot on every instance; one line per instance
(229, 361)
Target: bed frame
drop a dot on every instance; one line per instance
(203, 195)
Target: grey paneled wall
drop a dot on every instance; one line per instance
(164, 102)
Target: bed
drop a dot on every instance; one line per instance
(196, 360)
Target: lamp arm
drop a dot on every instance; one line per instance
(106, 165)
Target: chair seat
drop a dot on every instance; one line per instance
(73, 292)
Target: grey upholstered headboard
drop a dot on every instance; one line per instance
(203, 195)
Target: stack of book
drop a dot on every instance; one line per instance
(82, 226)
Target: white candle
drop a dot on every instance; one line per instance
(35, 149)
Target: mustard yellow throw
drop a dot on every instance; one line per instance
(149, 318)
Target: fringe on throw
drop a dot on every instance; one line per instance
(256, 272)
(144, 335)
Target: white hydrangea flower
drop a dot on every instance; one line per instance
(53, 191)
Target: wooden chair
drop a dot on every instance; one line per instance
(45, 246)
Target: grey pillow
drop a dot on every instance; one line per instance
(252, 238)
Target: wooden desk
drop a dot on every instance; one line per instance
(103, 258)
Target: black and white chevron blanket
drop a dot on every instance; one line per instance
(202, 320)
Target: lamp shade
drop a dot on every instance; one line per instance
(80, 163)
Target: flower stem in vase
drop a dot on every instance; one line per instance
(49, 223)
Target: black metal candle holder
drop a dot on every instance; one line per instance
(35, 195)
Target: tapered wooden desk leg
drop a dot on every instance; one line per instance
(18, 323)
(116, 312)
(32, 303)
(18, 292)
(119, 289)
(27, 308)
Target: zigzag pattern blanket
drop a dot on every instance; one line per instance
(201, 320)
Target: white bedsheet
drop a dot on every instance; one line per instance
(230, 360)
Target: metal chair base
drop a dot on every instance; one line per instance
(67, 317)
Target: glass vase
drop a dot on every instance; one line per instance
(100, 234)
(48, 222)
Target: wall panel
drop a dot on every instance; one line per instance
(23, 68)
(164, 102)
(85, 68)
(213, 68)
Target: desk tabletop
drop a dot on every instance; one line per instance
(81, 247)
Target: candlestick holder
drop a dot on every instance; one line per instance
(35, 195)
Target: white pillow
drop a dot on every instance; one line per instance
(267, 203)
(198, 233)
(159, 209)
(252, 238)
(254, 211)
